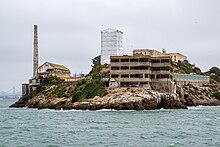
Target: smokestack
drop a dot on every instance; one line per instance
(35, 72)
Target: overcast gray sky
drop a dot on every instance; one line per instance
(69, 31)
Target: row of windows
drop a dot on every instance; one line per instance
(140, 60)
(140, 76)
(130, 60)
(190, 77)
(165, 68)
(129, 76)
(131, 67)
(160, 76)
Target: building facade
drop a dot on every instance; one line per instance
(111, 44)
(176, 57)
(47, 69)
(140, 71)
(195, 80)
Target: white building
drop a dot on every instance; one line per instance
(111, 44)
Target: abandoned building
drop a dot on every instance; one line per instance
(148, 68)
(140, 70)
(50, 69)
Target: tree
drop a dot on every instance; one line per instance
(96, 61)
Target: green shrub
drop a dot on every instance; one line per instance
(53, 80)
(216, 95)
(88, 88)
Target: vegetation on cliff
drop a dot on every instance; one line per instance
(93, 86)
(53, 88)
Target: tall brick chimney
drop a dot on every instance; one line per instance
(35, 70)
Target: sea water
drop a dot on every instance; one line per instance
(195, 127)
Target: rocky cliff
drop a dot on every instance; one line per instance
(128, 99)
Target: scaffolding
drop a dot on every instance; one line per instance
(111, 44)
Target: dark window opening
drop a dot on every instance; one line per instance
(146, 75)
(165, 60)
(114, 60)
(152, 76)
(143, 60)
(124, 60)
(136, 75)
(125, 76)
(155, 60)
(115, 76)
(124, 67)
(143, 67)
(134, 68)
(134, 60)
(114, 68)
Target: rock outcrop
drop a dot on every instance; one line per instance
(195, 96)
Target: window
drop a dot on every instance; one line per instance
(143, 60)
(114, 60)
(155, 60)
(134, 68)
(152, 76)
(124, 60)
(134, 60)
(146, 75)
(125, 76)
(143, 67)
(115, 76)
(165, 76)
(114, 68)
(165, 60)
(124, 67)
(136, 75)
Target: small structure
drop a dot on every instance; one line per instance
(176, 57)
(150, 52)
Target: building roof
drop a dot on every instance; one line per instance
(57, 66)
(111, 30)
(175, 54)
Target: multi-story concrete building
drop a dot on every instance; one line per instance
(111, 44)
(140, 70)
(146, 69)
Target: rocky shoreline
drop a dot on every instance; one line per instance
(127, 99)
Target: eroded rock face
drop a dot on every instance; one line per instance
(194, 96)
(131, 99)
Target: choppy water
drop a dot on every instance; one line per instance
(196, 127)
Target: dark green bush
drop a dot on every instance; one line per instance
(89, 88)
(216, 95)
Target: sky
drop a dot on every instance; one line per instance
(69, 32)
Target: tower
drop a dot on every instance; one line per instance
(111, 44)
(35, 67)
